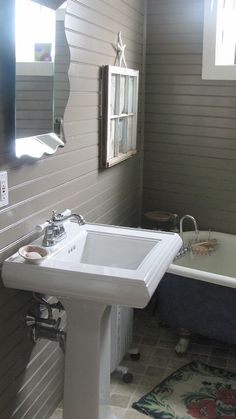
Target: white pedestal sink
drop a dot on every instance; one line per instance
(94, 267)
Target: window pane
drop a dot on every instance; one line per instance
(131, 95)
(111, 150)
(130, 134)
(113, 95)
(122, 95)
(226, 32)
(122, 135)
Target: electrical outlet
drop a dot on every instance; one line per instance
(3, 189)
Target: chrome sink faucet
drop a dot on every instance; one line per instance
(190, 217)
(55, 230)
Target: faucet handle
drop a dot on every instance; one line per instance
(59, 216)
(66, 212)
(41, 227)
(55, 216)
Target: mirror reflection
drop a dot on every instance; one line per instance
(42, 62)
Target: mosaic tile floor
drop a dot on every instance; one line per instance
(156, 344)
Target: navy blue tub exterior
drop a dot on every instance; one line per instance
(201, 307)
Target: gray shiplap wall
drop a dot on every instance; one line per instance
(31, 375)
(190, 131)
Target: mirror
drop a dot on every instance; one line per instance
(41, 83)
(7, 81)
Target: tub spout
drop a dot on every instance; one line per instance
(190, 217)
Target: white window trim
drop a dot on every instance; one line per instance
(211, 71)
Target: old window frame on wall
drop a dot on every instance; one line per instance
(119, 114)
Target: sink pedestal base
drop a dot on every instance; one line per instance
(87, 364)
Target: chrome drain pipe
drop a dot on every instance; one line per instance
(46, 327)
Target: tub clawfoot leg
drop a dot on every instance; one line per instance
(183, 343)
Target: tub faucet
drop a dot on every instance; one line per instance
(190, 217)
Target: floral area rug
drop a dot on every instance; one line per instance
(196, 390)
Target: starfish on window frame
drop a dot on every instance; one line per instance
(120, 49)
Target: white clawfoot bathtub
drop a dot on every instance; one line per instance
(218, 268)
(198, 292)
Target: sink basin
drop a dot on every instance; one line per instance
(93, 267)
(115, 251)
(104, 263)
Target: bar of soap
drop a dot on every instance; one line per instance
(33, 255)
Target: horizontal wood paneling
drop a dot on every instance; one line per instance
(190, 131)
(31, 375)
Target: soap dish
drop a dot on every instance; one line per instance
(33, 254)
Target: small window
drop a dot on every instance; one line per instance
(219, 40)
(119, 115)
